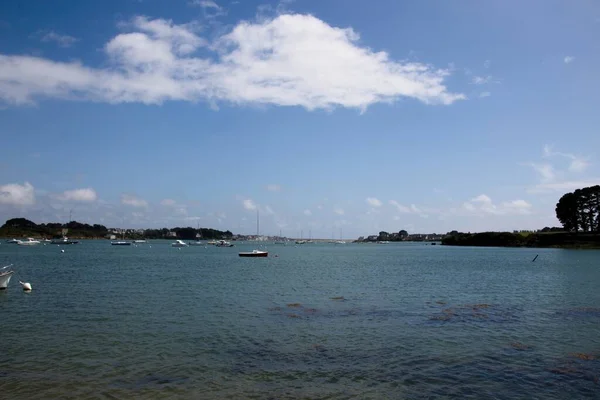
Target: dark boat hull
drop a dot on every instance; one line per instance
(254, 254)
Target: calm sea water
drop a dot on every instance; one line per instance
(319, 321)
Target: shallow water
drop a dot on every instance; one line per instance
(318, 321)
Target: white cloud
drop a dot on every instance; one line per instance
(290, 60)
(249, 204)
(563, 186)
(338, 211)
(205, 4)
(569, 59)
(269, 211)
(374, 202)
(131, 200)
(482, 198)
(481, 80)
(484, 94)
(483, 205)
(546, 171)
(399, 206)
(273, 187)
(578, 163)
(61, 40)
(85, 195)
(17, 195)
(307, 212)
(487, 63)
(168, 202)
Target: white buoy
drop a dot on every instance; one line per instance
(62, 251)
(26, 286)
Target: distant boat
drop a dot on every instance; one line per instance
(28, 242)
(13, 241)
(301, 241)
(211, 242)
(179, 243)
(121, 243)
(223, 243)
(5, 275)
(197, 243)
(254, 253)
(64, 240)
(139, 241)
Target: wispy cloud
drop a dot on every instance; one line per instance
(273, 187)
(399, 207)
(563, 186)
(569, 59)
(307, 212)
(315, 65)
(61, 40)
(168, 202)
(132, 200)
(484, 94)
(374, 202)
(339, 211)
(249, 204)
(578, 163)
(15, 194)
(205, 4)
(481, 80)
(83, 195)
(545, 171)
(487, 63)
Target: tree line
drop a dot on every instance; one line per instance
(21, 227)
(579, 211)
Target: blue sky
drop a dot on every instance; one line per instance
(330, 116)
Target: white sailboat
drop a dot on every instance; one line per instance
(255, 253)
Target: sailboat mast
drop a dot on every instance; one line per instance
(257, 224)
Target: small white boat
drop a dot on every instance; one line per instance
(139, 241)
(223, 243)
(5, 275)
(254, 253)
(13, 241)
(28, 242)
(120, 243)
(211, 242)
(197, 243)
(179, 243)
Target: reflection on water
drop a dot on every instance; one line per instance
(318, 321)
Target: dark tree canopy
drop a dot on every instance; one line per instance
(579, 211)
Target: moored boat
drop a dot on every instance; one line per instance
(28, 242)
(223, 243)
(254, 253)
(179, 243)
(64, 240)
(5, 275)
(121, 243)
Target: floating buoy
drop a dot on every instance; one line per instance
(62, 251)
(26, 286)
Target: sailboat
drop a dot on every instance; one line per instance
(198, 237)
(255, 253)
(301, 241)
(280, 239)
(121, 242)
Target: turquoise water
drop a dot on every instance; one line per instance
(319, 321)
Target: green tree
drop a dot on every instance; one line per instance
(580, 211)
